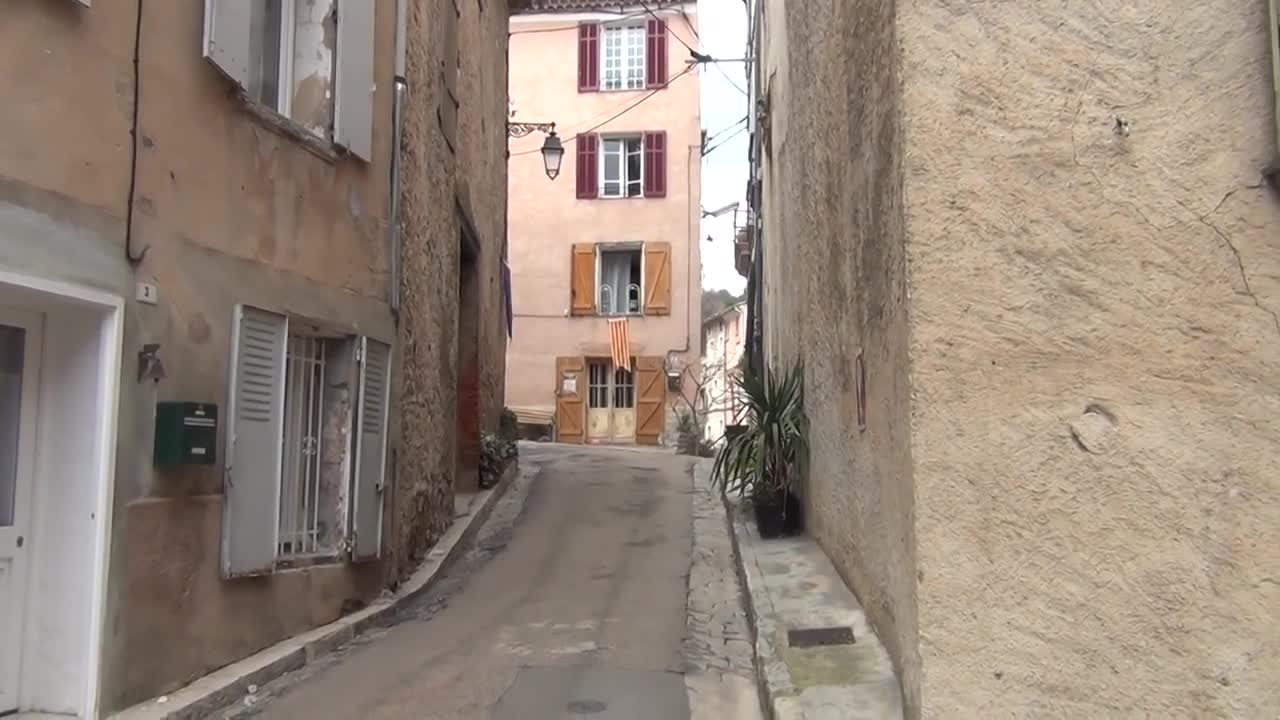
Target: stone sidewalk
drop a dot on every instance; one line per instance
(719, 670)
(793, 586)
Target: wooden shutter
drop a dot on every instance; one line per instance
(227, 38)
(582, 279)
(588, 166)
(651, 400)
(371, 448)
(571, 411)
(655, 164)
(655, 53)
(657, 278)
(255, 436)
(588, 57)
(353, 86)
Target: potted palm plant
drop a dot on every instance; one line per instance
(767, 459)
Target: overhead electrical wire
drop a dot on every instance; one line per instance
(617, 115)
(720, 144)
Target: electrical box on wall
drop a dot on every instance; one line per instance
(186, 434)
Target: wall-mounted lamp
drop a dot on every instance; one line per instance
(552, 149)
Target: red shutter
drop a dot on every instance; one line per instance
(588, 57)
(588, 165)
(655, 164)
(655, 54)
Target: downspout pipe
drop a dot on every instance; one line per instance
(400, 94)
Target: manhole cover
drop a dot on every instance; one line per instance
(820, 637)
(586, 707)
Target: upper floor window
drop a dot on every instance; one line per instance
(275, 51)
(624, 56)
(622, 167)
(620, 279)
(634, 57)
(619, 282)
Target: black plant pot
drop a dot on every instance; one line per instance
(779, 515)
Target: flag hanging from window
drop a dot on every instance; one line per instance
(620, 343)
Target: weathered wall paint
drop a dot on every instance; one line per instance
(1071, 509)
(547, 218)
(315, 35)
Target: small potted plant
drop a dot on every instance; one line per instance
(767, 459)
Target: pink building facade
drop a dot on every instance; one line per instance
(615, 235)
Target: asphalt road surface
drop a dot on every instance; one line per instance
(571, 606)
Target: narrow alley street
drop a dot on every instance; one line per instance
(572, 603)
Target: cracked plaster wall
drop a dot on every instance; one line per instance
(1095, 357)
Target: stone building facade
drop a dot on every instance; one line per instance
(196, 206)
(1035, 293)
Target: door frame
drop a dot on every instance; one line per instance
(35, 292)
(32, 325)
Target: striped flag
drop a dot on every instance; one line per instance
(620, 343)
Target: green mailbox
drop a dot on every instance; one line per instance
(186, 433)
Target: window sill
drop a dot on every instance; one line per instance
(306, 562)
(282, 125)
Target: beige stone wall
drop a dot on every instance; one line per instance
(231, 210)
(437, 179)
(1095, 356)
(547, 218)
(835, 286)
(1070, 508)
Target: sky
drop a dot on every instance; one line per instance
(722, 26)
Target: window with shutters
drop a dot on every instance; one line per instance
(309, 62)
(298, 489)
(622, 166)
(623, 57)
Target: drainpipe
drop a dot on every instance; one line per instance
(400, 94)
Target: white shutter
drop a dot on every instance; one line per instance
(371, 447)
(255, 424)
(227, 37)
(353, 89)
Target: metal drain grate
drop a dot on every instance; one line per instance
(820, 637)
(586, 707)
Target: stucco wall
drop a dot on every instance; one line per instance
(1095, 356)
(232, 211)
(547, 218)
(835, 285)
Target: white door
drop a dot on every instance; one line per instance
(19, 371)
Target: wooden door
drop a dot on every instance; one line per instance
(651, 400)
(571, 387)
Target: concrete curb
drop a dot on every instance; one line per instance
(748, 602)
(222, 687)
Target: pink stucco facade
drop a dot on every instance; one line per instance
(547, 218)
